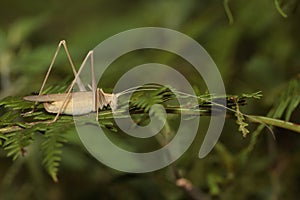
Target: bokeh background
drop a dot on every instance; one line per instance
(259, 50)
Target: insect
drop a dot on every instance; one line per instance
(84, 101)
(74, 103)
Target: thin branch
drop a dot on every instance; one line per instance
(14, 128)
(188, 187)
(279, 9)
(252, 118)
(275, 122)
(228, 11)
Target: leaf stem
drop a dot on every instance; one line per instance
(9, 129)
(274, 122)
(279, 9)
(228, 11)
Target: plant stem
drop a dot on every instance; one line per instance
(14, 128)
(274, 122)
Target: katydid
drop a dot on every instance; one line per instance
(83, 101)
(76, 103)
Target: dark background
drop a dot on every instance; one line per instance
(259, 51)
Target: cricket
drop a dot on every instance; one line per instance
(86, 100)
(82, 102)
(74, 103)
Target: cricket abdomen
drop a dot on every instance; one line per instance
(79, 103)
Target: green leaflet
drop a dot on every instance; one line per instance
(51, 148)
(279, 9)
(16, 142)
(287, 101)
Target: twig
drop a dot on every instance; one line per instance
(188, 187)
(274, 122)
(279, 9)
(228, 11)
(14, 128)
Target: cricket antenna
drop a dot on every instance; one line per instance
(138, 89)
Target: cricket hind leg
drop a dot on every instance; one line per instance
(63, 44)
(89, 55)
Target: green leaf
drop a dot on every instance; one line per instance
(288, 100)
(51, 149)
(279, 9)
(16, 143)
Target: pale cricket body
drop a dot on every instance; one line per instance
(76, 103)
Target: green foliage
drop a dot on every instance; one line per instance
(15, 143)
(230, 16)
(18, 125)
(240, 117)
(258, 51)
(228, 11)
(51, 148)
(144, 100)
(241, 122)
(281, 12)
(18, 130)
(288, 100)
(255, 95)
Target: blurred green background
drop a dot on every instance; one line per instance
(260, 50)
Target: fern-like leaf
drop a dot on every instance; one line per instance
(16, 142)
(144, 100)
(52, 151)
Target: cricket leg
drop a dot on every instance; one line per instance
(94, 87)
(90, 53)
(62, 43)
(96, 104)
(78, 81)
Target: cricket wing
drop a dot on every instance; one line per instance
(46, 98)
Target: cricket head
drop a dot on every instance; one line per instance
(105, 99)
